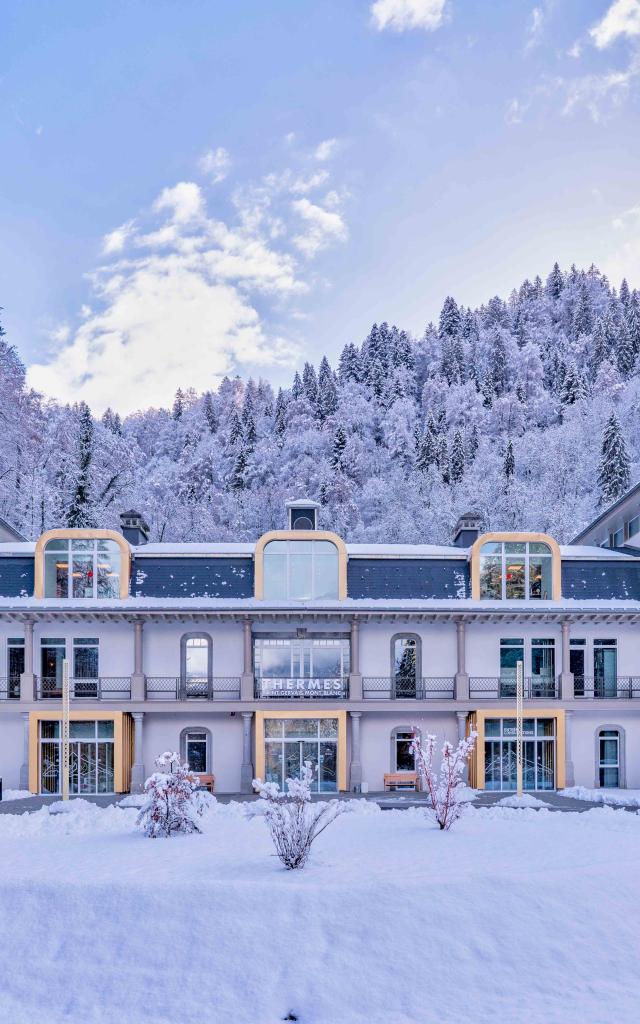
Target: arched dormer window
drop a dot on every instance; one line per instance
(301, 565)
(82, 564)
(515, 567)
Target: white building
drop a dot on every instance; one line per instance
(252, 658)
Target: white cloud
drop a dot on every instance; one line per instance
(400, 15)
(216, 164)
(326, 149)
(631, 215)
(599, 93)
(323, 226)
(575, 51)
(622, 19)
(184, 298)
(535, 26)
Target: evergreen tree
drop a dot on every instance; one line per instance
(633, 321)
(427, 452)
(327, 394)
(498, 362)
(310, 385)
(443, 461)
(349, 367)
(625, 295)
(209, 412)
(449, 325)
(237, 478)
(297, 389)
(280, 421)
(472, 445)
(582, 320)
(614, 471)
(235, 429)
(555, 282)
(178, 405)
(111, 420)
(337, 450)
(509, 464)
(573, 385)
(80, 515)
(457, 458)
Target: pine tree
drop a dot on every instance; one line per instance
(633, 321)
(443, 461)
(209, 412)
(457, 458)
(427, 453)
(498, 362)
(237, 478)
(555, 282)
(573, 385)
(509, 464)
(327, 394)
(472, 445)
(235, 429)
(280, 421)
(349, 366)
(337, 450)
(178, 405)
(297, 389)
(310, 385)
(582, 320)
(249, 432)
(111, 420)
(449, 324)
(614, 471)
(80, 515)
(624, 293)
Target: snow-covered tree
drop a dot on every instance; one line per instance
(293, 820)
(171, 804)
(445, 787)
(614, 469)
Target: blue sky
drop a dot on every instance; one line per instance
(202, 187)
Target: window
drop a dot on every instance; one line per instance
(406, 667)
(290, 743)
(633, 527)
(538, 753)
(91, 757)
(617, 538)
(402, 756)
(543, 661)
(53, 651)
(511, 652)
(577, 665)
(15, 664)
(609, 758)
(516, 570)
(196, 750)
(85, 667)
(196, 664)
(311, 667)
(301, 570)
(605, 668)
(82, 568)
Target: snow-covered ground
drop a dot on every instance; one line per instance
(15, 794)
(615, 797)
(518, 916)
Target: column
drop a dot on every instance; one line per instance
(355, 679)
(27, 679)
(137, 768)
(462, 732)
(355, 771)
(246, 682)
(566, 676)
(462, 679)
(246, 768)
(569, 776)
(137, 678)
(24, 767)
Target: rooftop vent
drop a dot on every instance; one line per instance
(134, 528)
(302, 514)
(468, 529)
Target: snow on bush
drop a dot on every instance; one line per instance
(171, 804)
(446, 789)
(294, 822)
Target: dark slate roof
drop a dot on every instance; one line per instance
(601, 579)
(192, 577)
(16, 576)
(408, 577)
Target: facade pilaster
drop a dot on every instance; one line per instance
(137, 769)
(137, 678)
(355, 677)
(462, 679)
(355, 771)
(24, 767)
(566, 676)
(246, 681)
(246, 768)
(27, 678)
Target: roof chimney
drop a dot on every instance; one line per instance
(468, 529)
(134, 528)
(302, 514)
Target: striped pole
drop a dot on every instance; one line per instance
(65, 730)
(519, 696)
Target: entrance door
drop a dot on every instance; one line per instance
(52, 654)
(289, 744)
(609, 758)
(605, 668)
(577, 666)
(15, 664)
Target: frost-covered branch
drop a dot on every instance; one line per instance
(294, 822)
(444, 787)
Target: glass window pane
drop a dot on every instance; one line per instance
(82, 730)
(300, 576)
(508, 727)
(326, 662)
(303, 727)
(273, 727)
(197, 658)
(82, 575)
(105, 730)
(85, 662)
(50, 730)
(108, 568)
(275, 575)
(542, 658)
(405, 760)
(56, 574)
(492, 547)
(546, 726)
(515, 548)
(536, 548)
(491, 577)
(325, 583)
(514, 579)
(82, 545)
(274, 659)
(492, 727)
(329, 728)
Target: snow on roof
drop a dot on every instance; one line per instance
(208, 548)
(16, 547)
(406, 551)
(583, 551)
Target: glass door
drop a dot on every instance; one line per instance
(52, 654)
(605, 668)
(609, 758)
(577, 666)
(289, 744)
(15, 665)
(405, 666)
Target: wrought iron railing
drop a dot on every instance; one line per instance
(496, 688)
(318, 688)
(100, 688)
(10, 688)
(389, 688)
(176, 688)
(622, 687)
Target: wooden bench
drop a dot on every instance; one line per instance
(206, 781)
(401, 780)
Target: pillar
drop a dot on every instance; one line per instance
(566, 676)
(355, 771)
(246, 682)
(137, 768)
(462, 679)
(246, 768)
(24, 767)
(462, 733)
(355, 679)
(27, 679)
(137, 678)
(569, 776)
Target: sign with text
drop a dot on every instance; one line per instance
(273, 686)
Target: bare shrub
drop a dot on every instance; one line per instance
(294, 821)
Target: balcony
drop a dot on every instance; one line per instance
(101, 688)
(619, 687)
(285, 688)
(10, 688)
(386, 688)
(176, 688)
(497, 688)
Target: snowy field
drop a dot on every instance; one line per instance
(517, 916)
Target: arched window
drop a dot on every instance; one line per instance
(82, 567)
(402, 756)
(195, 748)
(196, 663)
(512, 570)
(300, 570)
(406, 664)
(610, 757)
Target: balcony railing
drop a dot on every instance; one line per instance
(10, 688)
(496, 688)
(101, 688)
(282, 687)
(386, 688)
(623, 687)
(176, 688)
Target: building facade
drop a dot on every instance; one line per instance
(251, 659)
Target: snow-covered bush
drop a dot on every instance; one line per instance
(171, 804)
(445, 787)
(294, 822)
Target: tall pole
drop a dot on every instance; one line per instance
(65, 730)
(519, 696)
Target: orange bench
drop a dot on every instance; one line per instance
(207, 781)
(401, 780)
